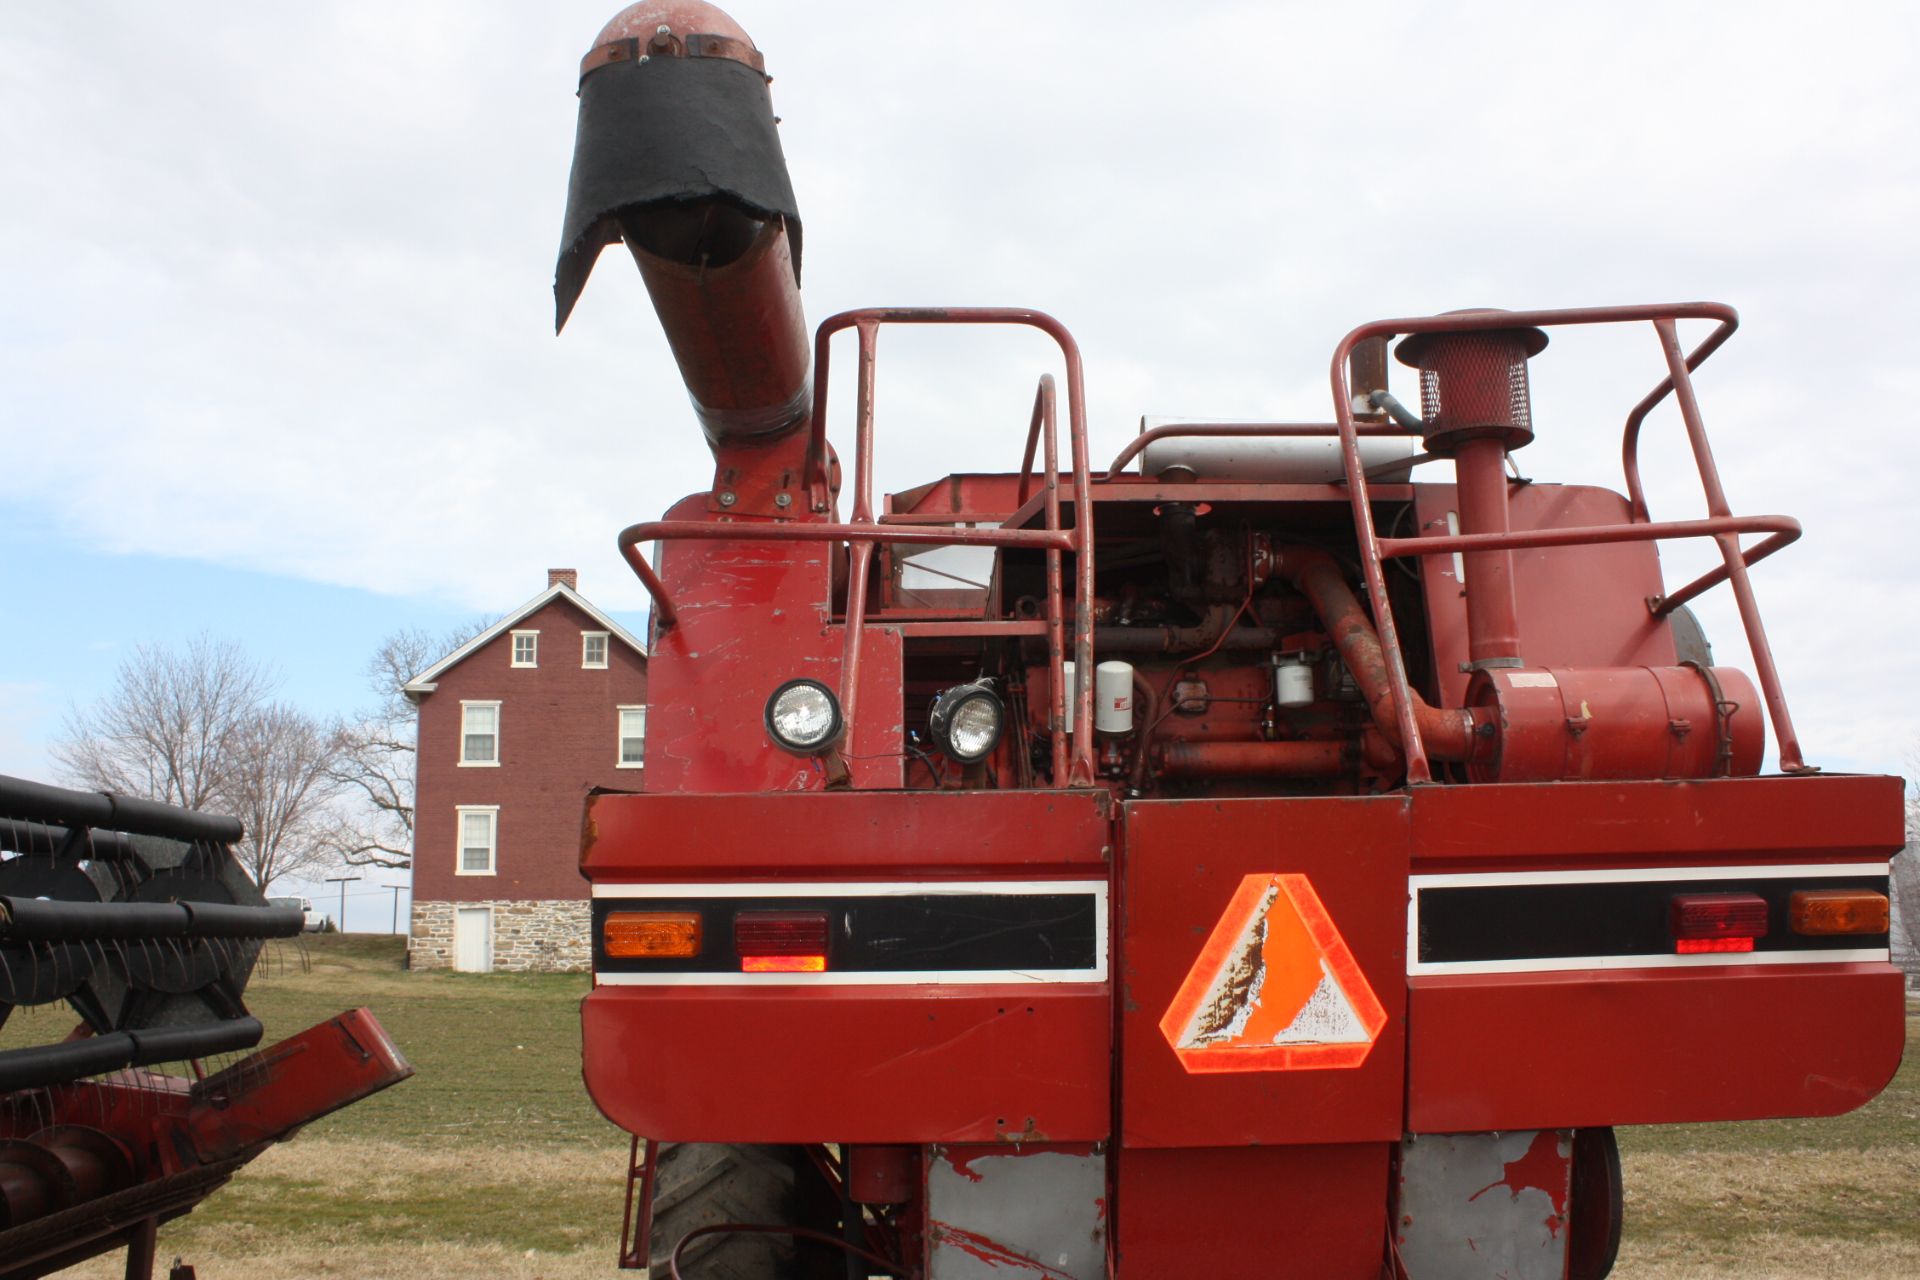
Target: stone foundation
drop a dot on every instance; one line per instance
(537, 936)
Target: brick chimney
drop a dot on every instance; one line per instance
(569, 578)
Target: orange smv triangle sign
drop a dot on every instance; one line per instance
(1275, 988)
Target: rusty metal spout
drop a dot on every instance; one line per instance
(676, 154)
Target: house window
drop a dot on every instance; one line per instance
(526, 648)
(479, 839)
(593, 648)
(633, 737)
(480, 733)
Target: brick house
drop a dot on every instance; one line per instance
(514, 728)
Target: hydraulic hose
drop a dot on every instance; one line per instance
(1449, 733)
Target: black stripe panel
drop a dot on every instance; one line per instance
(892, 934)
(1622, 918)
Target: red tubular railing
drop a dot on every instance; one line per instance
(863, 530)
(1721, 525)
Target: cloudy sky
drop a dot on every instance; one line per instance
(276, 350)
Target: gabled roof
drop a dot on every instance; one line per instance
(424, 683)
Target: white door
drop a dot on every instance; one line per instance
(473, 939)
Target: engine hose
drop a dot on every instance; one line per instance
(1450, 733)
(1149, 702)
(1406, 417)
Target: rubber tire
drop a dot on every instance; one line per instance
(1593, 1239)
(699, 1184)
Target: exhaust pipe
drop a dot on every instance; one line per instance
(676, 154)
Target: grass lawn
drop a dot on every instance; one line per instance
(492, 1161)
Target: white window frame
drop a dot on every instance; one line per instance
(620, 736)
(513, 654)
(606, 648)
(461, 812)
(479, 764)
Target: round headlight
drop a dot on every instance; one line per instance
(804, 716)
(966, 722)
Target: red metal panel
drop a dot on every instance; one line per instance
(848, 1064)
(1650, 1046)
(905, 835)
(1259, 1213)
(1185, 860)
(1726, 820)
(753, 614)
(1578, 606)
(266, 1095)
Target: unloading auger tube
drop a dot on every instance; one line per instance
(138, 916)
(677, 155)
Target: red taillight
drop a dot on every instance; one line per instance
(783, 964)
(1700, 946)
(1712, 922)
(781, 941)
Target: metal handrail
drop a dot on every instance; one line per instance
(1721, 525)
(863, 530)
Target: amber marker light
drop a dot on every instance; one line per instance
(652, 935)
(1821, 913)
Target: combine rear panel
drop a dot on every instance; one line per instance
(1253, 858)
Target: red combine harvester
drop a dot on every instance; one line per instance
(1246, 860)
(137, 915)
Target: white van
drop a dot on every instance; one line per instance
(313, 924)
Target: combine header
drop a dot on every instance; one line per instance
(137, 916)
(1280, 853)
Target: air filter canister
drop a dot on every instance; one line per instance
(1474, 385)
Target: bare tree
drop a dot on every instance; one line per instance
(166, 728)
(194, 727)
(278, 786)
(374, 754)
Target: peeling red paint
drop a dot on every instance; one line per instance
(992, 1252)
(963, 1165)
(1542, 1168)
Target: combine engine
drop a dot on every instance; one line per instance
(137, 916)
(1252, 859)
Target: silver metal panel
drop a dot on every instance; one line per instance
(1473, 1206)
(1015, 1215)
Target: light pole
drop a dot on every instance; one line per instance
(396, 904)
(342, 881)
